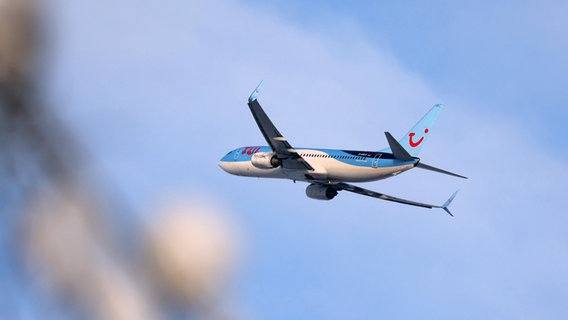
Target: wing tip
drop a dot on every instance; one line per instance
(448, 202)
(254, 95)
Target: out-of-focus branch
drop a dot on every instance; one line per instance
(18, 41)
(35, 146)
(62, 229)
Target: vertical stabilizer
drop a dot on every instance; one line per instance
(415, 138)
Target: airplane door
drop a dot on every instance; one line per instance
(376, 160)
(236, 156)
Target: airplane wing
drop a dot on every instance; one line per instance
(284, 151)
(366, 192)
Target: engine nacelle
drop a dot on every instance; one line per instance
(265, 160)
(320, 192)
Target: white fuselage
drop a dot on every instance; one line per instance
(329, 165)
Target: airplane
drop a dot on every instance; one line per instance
(328, 171)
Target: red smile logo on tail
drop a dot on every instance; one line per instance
(416, 144)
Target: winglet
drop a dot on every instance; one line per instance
(256, 91)
(447, 203)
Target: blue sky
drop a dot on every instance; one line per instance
(157, 90)
(485, 51)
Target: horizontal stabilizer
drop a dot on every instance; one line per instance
(427, 167)
(397, 150)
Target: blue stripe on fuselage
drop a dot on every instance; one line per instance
(351, 157)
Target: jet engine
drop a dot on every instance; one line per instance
(320, 192)
(265, 160)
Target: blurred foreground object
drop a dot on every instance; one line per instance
(68, 250)
(189, 251)
(71, 252)
(17, 41)
(192, 250)
(34, 147)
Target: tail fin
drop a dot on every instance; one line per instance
(415, 138)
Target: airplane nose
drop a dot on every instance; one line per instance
(226, 162)
(223, 165)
